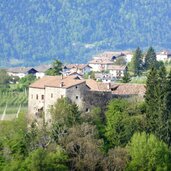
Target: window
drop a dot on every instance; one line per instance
(42, 97)
(76, 97)
(51, 95)
(62, 96)
(76, 87)
(37, 97)
(87, 109)
(32, 96)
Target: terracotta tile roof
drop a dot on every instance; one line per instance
(116, 67)
(128, 89)
(97, 86)
(78, 66)
(19, 69)
(56, 81)
(164, 52)
(101, 61)
(43, 68)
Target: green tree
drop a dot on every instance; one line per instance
(166, 114)
(126, 78)
(136, 62)
(42, 159)
(83, 147)
(4, 80)
(64, 115)
(151, 100)
(56, 68)
(121, 123)
(148, 153)
(120, 61)
(26, 81)
(157, 98)
(150, 59)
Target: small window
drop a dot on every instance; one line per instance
(32, 96)
(37, 97)
(62, 96)
(87, 109)
(76, 97)
(42, 97)
(76, 87)
(51, 95)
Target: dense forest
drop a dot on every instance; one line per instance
(75, 30)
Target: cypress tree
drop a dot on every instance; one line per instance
(151, 99)
(150, 59)
(126, 78)
(137, 62)
(160, 105)
(166, 117)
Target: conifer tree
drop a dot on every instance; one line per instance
(160, 105)
(126, 78)
(151, 99)
(137, 62)
(150, 59)
(166, 117)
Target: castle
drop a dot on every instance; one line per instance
(85, 93)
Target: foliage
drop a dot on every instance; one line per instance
(148, 153)
(120, 61)
(4, 80)
(56, 68)
(136, 62)
(116, 159)
(26, 81)
(83, 147)
(41, 159)
(150, 59)
(157, 104)
(121, 123)
(126, 78)
(64, 115)
(74, 30)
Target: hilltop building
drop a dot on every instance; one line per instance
(163, 56)
(21, 72)
(85, 93)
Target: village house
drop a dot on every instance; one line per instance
(104, 77)
(104, 61)
(99, 65)
(117, 71)
(76, 68)
(21, 71)
(41, 70)
(163, 56)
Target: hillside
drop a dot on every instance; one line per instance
(35, 31)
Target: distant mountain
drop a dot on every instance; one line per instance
(35, 31)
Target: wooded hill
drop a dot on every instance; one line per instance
(32, 32)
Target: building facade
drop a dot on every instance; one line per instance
(44, 93)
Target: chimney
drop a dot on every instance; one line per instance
(61, 84)
(109, 86)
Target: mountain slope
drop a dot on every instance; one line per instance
(34, 31)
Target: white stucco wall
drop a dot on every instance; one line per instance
(35, 101)
(51, 96)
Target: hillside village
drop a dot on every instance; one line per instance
(102, 64)
(85, 92)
